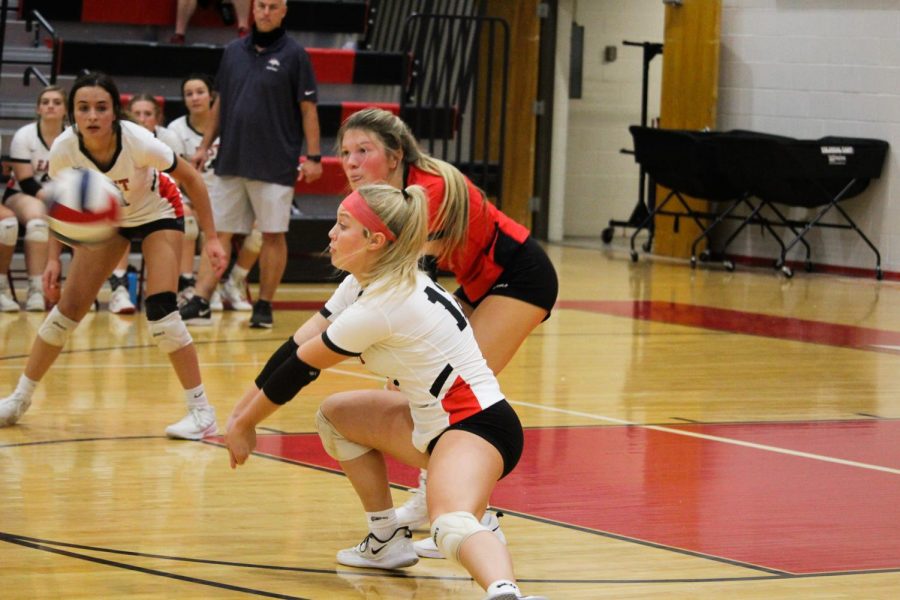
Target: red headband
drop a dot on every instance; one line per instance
(357, 206)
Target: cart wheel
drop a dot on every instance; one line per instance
(704, 256)
(729, 266)
(693, 262)
(646, 246)
(809, 267)
(633, 256)
(879, 275)
(607, 235)
(788, 272)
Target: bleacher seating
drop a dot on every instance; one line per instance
(129, 40)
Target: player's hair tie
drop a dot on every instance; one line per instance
(406, 195)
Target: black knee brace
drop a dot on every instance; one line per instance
(160, 305)
(285, 351)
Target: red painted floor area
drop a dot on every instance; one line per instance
(789, 513)
(719, 319)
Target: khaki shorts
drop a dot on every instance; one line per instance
(239, 202)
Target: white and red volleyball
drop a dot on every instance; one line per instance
(84, 208)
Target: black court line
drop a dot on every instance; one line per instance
(51, 546)
(521, 515)
(140, 346)
(43, 546)
(40, 544)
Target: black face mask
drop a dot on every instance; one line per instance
(266, 39)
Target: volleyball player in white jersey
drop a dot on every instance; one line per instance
(132, 158)
(446, 411)
(29, 154)
(196, 90)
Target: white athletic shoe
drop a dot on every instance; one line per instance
(7, 304)
(392, 553)
(120, 302)
(414, 512)
(12, 408)
(199, 423)
(35, 300)
(215, 301)
(426, 548)
(234, 297)
(511, 595)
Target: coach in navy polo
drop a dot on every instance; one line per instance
(265, 107)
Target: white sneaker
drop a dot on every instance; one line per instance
(414, 512)
(7, 304)
(511, 594)
(426, 548)
(233, 294)
(120, 302)
(215, 301)
(35, 301)
(392, 553)
(12, 408)
(196, 425)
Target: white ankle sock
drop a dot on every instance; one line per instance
(238, 274)
(35, 282)
(26, 386)
(502, 585)
(196, 397)
(382, 523)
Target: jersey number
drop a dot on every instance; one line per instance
(435, 297)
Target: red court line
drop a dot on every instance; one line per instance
(736, 321)
(718, 319)
(748, 505)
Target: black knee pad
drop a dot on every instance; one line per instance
(160, 305)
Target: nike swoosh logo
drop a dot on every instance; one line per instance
(378, 549)
(309, 92)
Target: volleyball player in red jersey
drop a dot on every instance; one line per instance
(508, 285)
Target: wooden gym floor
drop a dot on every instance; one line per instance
(690, 434)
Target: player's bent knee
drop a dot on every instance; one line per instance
(166, 327)
(56, 328)
(191, 229)
(9, 231)
(37, 230)
(336, 445)
(450, 530)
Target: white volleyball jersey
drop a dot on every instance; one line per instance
(28, 147)
(422, 342)
(170, 139)
(190, 140)
(135, 170)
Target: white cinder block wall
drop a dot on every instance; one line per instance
(801, 68)
(602, 184)
(810, 68)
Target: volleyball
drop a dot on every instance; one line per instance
(84, 206)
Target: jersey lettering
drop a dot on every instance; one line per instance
(434, 296)
(440, 380)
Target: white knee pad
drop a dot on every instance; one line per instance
(337, 446)
(56, 328)
(170, 333)
(450, 530)
(253, 241)
(37, 230)
(9, 231)
(191, 229)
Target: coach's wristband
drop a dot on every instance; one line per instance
(316, 158)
